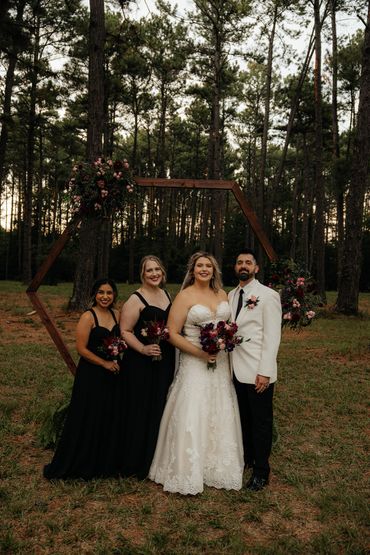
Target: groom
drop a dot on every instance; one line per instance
(257, 311)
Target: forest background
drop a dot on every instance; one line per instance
(214, 91)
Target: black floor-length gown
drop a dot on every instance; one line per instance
(90, 444)
(146, 388)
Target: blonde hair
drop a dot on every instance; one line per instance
(158, 261)
(216, 281)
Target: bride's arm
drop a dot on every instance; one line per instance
(176, 320)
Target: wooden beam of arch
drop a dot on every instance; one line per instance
(71, 228)
(232, 186)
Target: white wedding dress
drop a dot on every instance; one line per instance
(200, 440)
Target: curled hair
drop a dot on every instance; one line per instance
(158, 261)
(97, 285)
(216, 281)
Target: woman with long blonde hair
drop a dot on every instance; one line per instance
(200, 438)
(146, 378)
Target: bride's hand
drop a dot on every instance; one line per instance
(211, 358)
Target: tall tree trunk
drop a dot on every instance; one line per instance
(319, 238)
(297, 95)
(89, 230)
(214, 153)
(135, 111)
(131, 244)
(295, 206)
(161, 148)
(39, 200)
(266, 122)
(307, 206)
(348, 291)
(27, 210)
(335, 134)
(103, 248)
(9, 83)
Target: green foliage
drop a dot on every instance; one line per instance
(52, 423)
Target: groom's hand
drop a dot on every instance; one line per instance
(262, 383)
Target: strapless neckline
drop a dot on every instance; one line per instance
(207, 307)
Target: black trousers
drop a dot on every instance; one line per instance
(256, 418)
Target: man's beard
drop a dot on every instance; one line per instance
(244, 275)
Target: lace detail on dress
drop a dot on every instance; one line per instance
(200, 439)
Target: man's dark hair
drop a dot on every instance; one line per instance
(247, 250)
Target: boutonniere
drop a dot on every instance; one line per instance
(251, 302)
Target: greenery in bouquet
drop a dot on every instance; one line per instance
(297, 291)
(99, 188)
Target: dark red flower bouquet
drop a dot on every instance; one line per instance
(297, 293)
(99, 188)
(155, 332)
(297, 305)
(113, 347)
(220, 336)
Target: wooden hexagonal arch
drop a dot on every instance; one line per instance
(73, 225)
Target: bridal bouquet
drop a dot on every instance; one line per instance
(113, 347)
(155, 332)
(220, 336)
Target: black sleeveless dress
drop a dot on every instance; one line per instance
(146, 388)
(89, 446)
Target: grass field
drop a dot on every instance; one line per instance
(317, 502)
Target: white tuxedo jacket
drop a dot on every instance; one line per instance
(262, 326)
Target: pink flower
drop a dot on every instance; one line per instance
(251, 302)
(129, 188)
(310, 314)
(104, 193)
(287, 316)
(295, 303)
(126, 165)
(110, 162)
(97, 206)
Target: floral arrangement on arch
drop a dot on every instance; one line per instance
(99, 188)
(297, 290)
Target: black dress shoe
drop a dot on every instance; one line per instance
(256, 483)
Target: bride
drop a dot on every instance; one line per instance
(200, 439)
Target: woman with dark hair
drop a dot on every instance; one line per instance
(147, 379)
(89, 446)
(200, 439)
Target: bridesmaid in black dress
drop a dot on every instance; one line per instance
(146, 381)
(89, 446)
